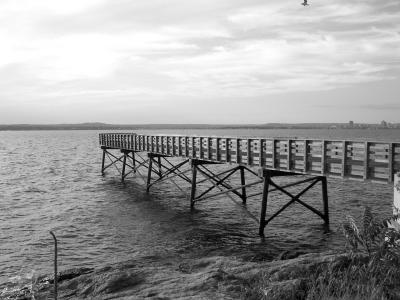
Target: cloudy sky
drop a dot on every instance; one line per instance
(208, 61)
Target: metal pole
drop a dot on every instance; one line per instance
(123, 167)
(193, 190)
(243, 182)
(149, 172)
(325, 199)
(133, 162)
(159, 166)
(55, 266)
(266, 178)
(103, 161)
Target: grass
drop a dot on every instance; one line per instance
(370, 269)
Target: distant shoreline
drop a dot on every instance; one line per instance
(104, 126)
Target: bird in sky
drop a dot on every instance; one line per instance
(304, 3)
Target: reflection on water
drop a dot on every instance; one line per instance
(50, 180)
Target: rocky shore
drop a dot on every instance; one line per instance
(215, 277)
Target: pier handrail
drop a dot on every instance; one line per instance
(352, 159)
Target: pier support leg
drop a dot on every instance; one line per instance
(325, 199)
(264, 201)
(103, 161)
(159, 166)
(243, 182)
(294, 198)
(193, 189)
(165, 170)
(149, 174)
(134, 162)
(123, 166)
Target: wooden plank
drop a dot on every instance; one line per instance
(217, 150)
(249, 151)
(289, 154)
(274, 153)
(366, 160)
(344, 154)
(305, 157)
(237, 152)
(227, 141)
(208, 149)
(193, 148)
(390, 163)
(323, 158)
(200, 147)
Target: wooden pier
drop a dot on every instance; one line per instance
(317, 159)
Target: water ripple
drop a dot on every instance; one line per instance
(51, 181)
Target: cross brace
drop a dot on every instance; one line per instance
(267, 182)
(160, 165)
(218, 181)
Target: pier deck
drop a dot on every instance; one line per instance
(356, 160)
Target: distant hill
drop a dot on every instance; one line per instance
(104, 126)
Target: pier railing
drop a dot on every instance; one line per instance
(359, 160)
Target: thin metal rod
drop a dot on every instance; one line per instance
(159, 165)
(186, 161)
(280, 210)
(123, 168)
(251, 171)
(243, 182)
(266, 182)
(170, 177)
(229, 190)
(217, 175)
(142, 176)
(103, 161)
(284, 186)
(234, 201)
(145, 163)
(149, 174)
(172, 170)
(254, 195)
(215, 178)
(55, 266)
(193, 189)
(217, 183)
(325, 199)
(296, 198)
(114, 162)
(311, 208)
(133, 162)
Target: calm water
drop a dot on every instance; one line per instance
(50, 180)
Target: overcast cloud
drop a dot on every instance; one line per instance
(184, 61)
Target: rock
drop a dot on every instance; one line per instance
(214, 277)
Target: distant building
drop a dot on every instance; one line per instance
(351, 124)
(384, 124)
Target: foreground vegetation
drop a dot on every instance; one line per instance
(369, 269)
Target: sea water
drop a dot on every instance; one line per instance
(50, 180)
